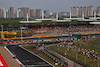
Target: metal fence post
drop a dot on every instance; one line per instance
(76, 55)
(98, 63)
(85, 59)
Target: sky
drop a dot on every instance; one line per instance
(51, 5)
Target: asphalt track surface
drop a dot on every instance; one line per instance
(27, 58)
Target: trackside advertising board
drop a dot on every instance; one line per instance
(67, 34)
(3, 62)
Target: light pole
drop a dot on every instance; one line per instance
(21, 32)
(65, 53)
(76, 56)
(2, 27)
(98, 63)
(85, 59)
(58, 47)
(43, 46)
(80, 45)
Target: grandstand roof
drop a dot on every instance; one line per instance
(72, 18)
(30, 21)
(86, 20)
(61, 20)
(43, 19)
(94, 22)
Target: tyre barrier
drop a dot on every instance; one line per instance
(40, 41)
(19, 42)
(54, 58)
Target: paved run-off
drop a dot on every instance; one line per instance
(8, 58)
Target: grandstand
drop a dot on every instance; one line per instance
(39, 31)
(58, 29)
(40, 34)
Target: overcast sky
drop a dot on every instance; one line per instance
(52, 5)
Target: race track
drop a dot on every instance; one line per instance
(28, 59)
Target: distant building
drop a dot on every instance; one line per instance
(68, 13)
(11, 12)
(98, 10)
(16, 14)
(85, 11)
(32, 14)
(74, 11)
(80, 11)
(63, 13)
(51, 13)
(90, 10)
(46, 12)
(25, 10)
(7, 14)
(2, 13)
(38, 13)
(19, 13)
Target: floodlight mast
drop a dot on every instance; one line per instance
(2, 27)
(42, 15)
(94, 14)
(70, 15)
(22, 33)
(27, 16)
(56, 16)
(82, 15)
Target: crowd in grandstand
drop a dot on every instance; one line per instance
(47, 29)
(64, 28)
(89, 37)
(83, 28)
(89, 53)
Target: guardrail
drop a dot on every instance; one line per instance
(54, 58)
